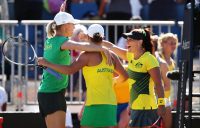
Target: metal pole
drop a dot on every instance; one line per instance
(35, 68)
(191, 64)
(26, 67)
(19, 92)
(12, 72)
(3, 60)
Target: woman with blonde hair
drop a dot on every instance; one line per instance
(167, 44)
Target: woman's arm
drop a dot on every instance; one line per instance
(102, 7)
(117, 50)
(164, 69)
(119, 69)
(155, 75)
(82, 46)
(80, 62)
(85, 46)
(63, 6)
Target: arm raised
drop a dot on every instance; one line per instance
(117, 50)
(82, 46)
(86, 46)
(119, 69)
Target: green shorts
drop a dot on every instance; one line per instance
(99, 116)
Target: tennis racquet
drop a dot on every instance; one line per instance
(158, 123)
(19, 51)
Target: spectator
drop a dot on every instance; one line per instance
(154, 39)
(167, 44)
(144, 12)
(51, 7)
(159, 10)
(89, 9)
(136, 6)
(3, 99)
(28, 9)
(115, 12)
(103, 8)
(4, 15)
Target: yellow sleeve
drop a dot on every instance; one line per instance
(152, 62)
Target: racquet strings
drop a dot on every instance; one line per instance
(19, 51)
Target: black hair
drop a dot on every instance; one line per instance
(147, 43)
(96, 38)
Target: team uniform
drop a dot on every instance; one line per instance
(171, 67)
(100, 106)
(143, 101)
(123, 96)
(51, 93)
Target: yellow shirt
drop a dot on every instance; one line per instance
(99, 83)
(172, 65)
(142, 95)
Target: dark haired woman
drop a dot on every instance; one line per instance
(99, 109)
(144, 76)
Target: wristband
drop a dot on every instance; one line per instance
(161, 101)
(167, 94)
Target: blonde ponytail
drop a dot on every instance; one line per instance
(51, 29)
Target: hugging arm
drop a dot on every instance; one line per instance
(80, 62)
(117, 50)
(85, 46)
(82, 46)
(119, 69)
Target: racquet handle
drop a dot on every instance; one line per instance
(51, 71)
(54, 73)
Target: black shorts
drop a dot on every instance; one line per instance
(142, 118)
(51, 102)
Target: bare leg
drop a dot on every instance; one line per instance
(167, 118)
(56, 120)
(124, 119)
